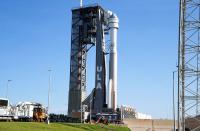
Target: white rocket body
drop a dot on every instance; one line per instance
(113, 26)
(81, 3)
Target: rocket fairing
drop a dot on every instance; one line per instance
(113, 22)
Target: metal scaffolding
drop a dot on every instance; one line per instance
(87, 31)
(188, 66)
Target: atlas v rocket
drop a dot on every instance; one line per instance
(113, 26)
(90, 27)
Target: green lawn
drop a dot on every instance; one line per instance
(31, 126)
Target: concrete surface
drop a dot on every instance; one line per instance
(149, 125)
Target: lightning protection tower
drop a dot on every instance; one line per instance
(188, 66)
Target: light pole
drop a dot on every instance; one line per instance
(8, 83)
(90, 109)
(81, 111)
(122, 113)
(174, 115)
(49, 96)
(84, 109)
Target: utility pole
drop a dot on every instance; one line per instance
(174, 115)
(48, 121)
(7, 86)
(91, 109)
(81, 111)
(122, 113)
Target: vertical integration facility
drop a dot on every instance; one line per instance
(91, 27)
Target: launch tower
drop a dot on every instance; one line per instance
(89, 26)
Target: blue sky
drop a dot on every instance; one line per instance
(35, 36)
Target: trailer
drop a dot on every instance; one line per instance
(24, 111)
(30, 111)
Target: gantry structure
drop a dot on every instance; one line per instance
(189, 66)
(90, 26)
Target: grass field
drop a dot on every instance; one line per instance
(31, 126)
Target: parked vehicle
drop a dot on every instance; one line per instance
(39, 113)
(6, 112)
(30, 111)
(23, 111)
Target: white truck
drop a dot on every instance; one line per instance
(23, 111)
(6, 110)
(29, 111)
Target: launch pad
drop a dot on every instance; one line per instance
(90, 26)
